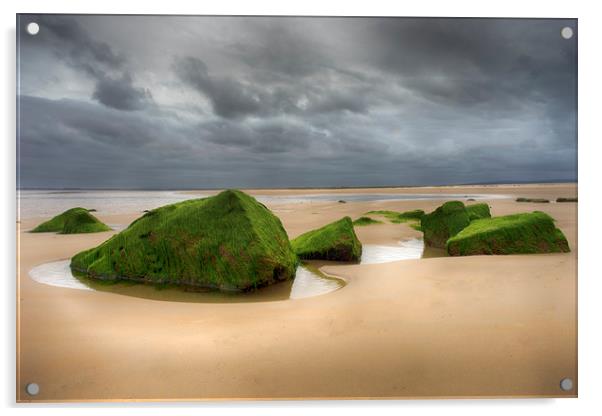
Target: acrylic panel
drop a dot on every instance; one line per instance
(288, 207)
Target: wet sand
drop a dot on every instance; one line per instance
(452, 327)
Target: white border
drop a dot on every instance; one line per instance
(590, 277)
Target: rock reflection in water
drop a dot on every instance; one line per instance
(308, 282)
(311, 282)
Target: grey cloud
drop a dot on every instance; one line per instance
(296, 102)
(76, 123)
(121, 93)
(356, 100)
(74, 44)
(266, 137)
(495, 62)
(282, 50)
(228, 97)
(231, 98)
(113, 82)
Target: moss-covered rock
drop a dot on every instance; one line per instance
(444, 222)
(228, 242)
(363, 221)
(399, 217)
(336, 241)
(532, 232)
(536, 200)
(73, 221)
(478, 211)
(416, 226)
(416, 214)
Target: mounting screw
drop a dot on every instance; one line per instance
(32, 389)
(566, 384)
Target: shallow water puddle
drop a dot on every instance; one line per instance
(308, 282)
(58, 274)
(405, 250)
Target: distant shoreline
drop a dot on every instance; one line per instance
(491, 184)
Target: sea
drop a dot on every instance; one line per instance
(48, 203)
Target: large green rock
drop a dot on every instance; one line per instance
(444, 222)
(336, 241)
(533, 232)
(228, 242)
(73, 221)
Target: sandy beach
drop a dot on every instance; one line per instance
(476, 326)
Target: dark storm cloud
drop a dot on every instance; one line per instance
(282, 51)
(71, 43)
(229, 97)
(69, 142)
(237, 102)
(66, 123)
(120, 93)
(479, 61)
(273, 136)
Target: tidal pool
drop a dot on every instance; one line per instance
(404, 250)
(57, 273)
(308, 282)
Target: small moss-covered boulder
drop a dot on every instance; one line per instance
(416, 214)
(444, 222)
(73, 221)
(536, 200)
(399, 217)
(478, 211)
(336, 241)
(524, 233)
(363, 221)
(227, 242)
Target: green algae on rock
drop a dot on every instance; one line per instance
(336, 241)
(363, 221)
(73, 221)
(415, 215)
(523, 233)
(444, 222)
(399, 217)
(227, 242)
(478, 211)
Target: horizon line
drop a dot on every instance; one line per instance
(297, 187)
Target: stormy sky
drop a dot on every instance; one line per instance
(210, 102)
